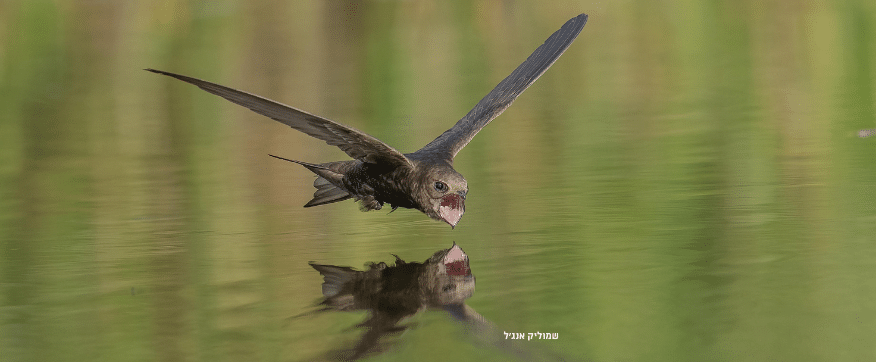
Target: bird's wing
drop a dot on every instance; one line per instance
(355, 143)
(451, 141)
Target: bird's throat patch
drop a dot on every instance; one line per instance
(451, 209)
(456, 262)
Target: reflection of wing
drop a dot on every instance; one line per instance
(378, 327)
(866, 132)
(467, 315)
(485, 332)
(355, 143)
(448, 144)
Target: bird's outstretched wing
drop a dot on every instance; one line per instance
(448, 144)
(355, 143)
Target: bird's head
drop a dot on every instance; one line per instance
(443, 194)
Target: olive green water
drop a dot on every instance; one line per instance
(684, 184)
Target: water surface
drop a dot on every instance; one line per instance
(685, 184)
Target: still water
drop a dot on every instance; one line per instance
(685, 184)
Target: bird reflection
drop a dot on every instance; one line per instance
(393, 293)
(866, 132)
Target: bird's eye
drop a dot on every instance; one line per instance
(440, 186)
(448, 287)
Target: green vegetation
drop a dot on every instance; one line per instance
(684, 184)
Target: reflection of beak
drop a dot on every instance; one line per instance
(451, 208)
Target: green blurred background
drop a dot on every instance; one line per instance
(684, 184)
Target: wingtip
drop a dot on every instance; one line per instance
(169, 74)
(156, 71)
(305, 164)
(280, 158)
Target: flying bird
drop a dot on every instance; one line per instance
(379, 174)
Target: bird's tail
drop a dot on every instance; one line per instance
(327, 191)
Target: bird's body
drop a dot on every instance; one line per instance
(374, 185)
(370, 184)
(379, 174)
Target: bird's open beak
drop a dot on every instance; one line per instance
(456, 262)
(451, 208)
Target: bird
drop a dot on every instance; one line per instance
(379, 174)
